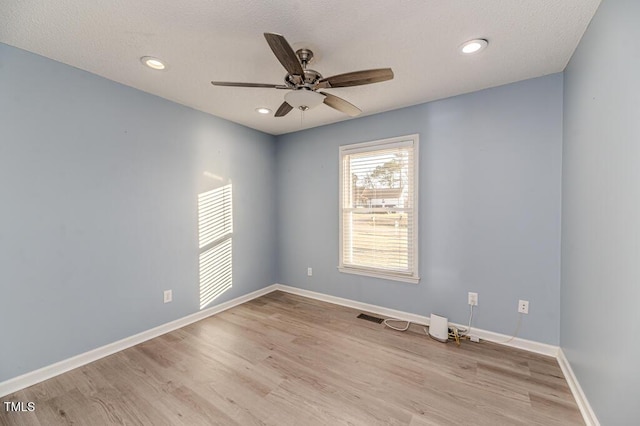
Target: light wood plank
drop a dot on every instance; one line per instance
(284, 359)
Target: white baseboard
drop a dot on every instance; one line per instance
(588, 414)
(528, 345)
(44, 373)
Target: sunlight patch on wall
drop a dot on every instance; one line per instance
(215, 272)
(215, 218)
(215, 231)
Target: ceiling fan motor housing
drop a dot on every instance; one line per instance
(306, 81)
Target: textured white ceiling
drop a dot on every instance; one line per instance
(204, 40)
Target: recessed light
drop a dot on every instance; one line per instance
(473, 46)
(263, 110)
(152, 62)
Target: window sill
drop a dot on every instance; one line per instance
(376, 274)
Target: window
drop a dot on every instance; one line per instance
(378, 208)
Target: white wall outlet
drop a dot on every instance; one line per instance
(309, 272)
(473, 299)
(523, 306)
(168, 296)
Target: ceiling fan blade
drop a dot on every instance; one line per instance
(341, 105)
(284, 53)
(230, 83)
(284, 109)
(356, 78)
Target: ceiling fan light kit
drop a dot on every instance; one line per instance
(304, 83)
(303, 99)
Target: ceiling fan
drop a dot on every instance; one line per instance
(304, 84)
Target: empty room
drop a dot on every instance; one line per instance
(280, 213)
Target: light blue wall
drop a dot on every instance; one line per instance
(490, 173)
(601, 213)
(98, 193)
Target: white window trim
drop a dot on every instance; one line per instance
(413, 139)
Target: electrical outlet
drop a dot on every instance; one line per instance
(309, 272)
(523, 306)
(473, 299)
(168, 296)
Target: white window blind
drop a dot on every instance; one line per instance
(378, 204)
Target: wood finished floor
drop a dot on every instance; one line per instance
(283, 359)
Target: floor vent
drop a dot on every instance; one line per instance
(370, 318)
